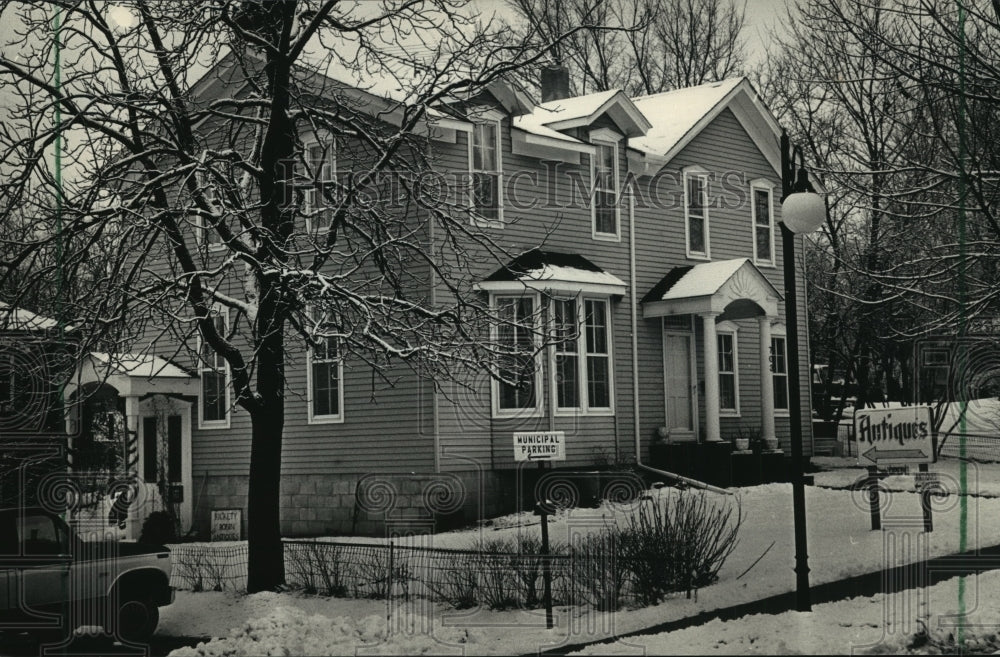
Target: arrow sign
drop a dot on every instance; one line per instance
(539, 446)
(901, 434)
(896, 454)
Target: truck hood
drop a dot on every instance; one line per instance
(129, 549)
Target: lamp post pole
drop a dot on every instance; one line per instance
(794, 180)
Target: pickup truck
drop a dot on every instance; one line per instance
(52, 582)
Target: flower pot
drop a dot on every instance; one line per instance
(741, 444)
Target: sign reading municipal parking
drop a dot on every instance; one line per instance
(540, 446)
(894, 435)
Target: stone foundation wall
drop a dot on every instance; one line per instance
(369, 505)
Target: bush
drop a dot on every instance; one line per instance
(317, 567)
(159, 528)
(677, 544)
(597, 571)
(458, 584)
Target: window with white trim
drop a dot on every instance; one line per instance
(208, 235)
(517, 365)
(582, 354)
(213, 407)
(762, 218)
(320, 174)
(696, 213)
(779, 371)
(485, 165)
(325, 369)
(605, 213)
(729, 388)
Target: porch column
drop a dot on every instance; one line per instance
(712, 433)
(132, 462)
(766, 380)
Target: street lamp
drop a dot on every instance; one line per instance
(802, 211)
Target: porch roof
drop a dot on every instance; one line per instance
(712, 287)
(134, 374)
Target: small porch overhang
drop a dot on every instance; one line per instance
(133, 375)
(728, 289)
(548, 271)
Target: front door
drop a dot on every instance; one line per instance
(678, 386)
(165, 456)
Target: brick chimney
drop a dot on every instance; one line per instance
(555, 83)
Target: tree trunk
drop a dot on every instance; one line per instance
(266, 563)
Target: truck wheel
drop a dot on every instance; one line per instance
(135, 620)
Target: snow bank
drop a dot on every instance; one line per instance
(292, 631)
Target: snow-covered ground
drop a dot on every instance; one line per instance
(841, 544)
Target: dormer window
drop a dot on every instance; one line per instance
(486, 169)
(696, 213)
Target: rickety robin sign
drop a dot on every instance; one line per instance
(896, 436)
(540, 446)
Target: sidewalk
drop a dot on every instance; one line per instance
(890, 580)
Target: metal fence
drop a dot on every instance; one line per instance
(461, 578)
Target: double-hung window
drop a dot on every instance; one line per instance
(208, 233)
(321, 186)
(516, 391)
(729, 384)
(605, 213)
(779, 372)
(582, 354)
(696, 213)
(326, 376)
(213, 409)
(485, 163)
(763, 222)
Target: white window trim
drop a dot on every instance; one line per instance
(210, 194)
(324, 419)
(215, 424)
(617, 235)
(696, 172)
(487, 117)
(497, 412)
(729, 328)
(778, 331)
(312, 192)
(762, 184)
(583, 393)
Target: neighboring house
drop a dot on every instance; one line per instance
(33, 367)
(664, 289)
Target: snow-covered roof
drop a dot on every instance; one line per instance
(676, 113)
(140, 365)
(548, 118)
(550, 270)
(712, 287)
(19, 319)
(704, 279)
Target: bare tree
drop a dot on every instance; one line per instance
(175, 191)
(639, 46)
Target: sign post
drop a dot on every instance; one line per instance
(893, 439)
(543, 447)
(926, 482)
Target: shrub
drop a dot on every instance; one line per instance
(159, 528)
(676, 544)
(597, 572)
(456, 584)
(375, 579)
(317, 567)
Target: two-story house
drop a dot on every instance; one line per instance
(645, 234)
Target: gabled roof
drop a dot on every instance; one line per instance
(140, 365)
(582, 111)
(679, 116)
(711, 287)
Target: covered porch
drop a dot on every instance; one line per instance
(149, 401)
(707, 311)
